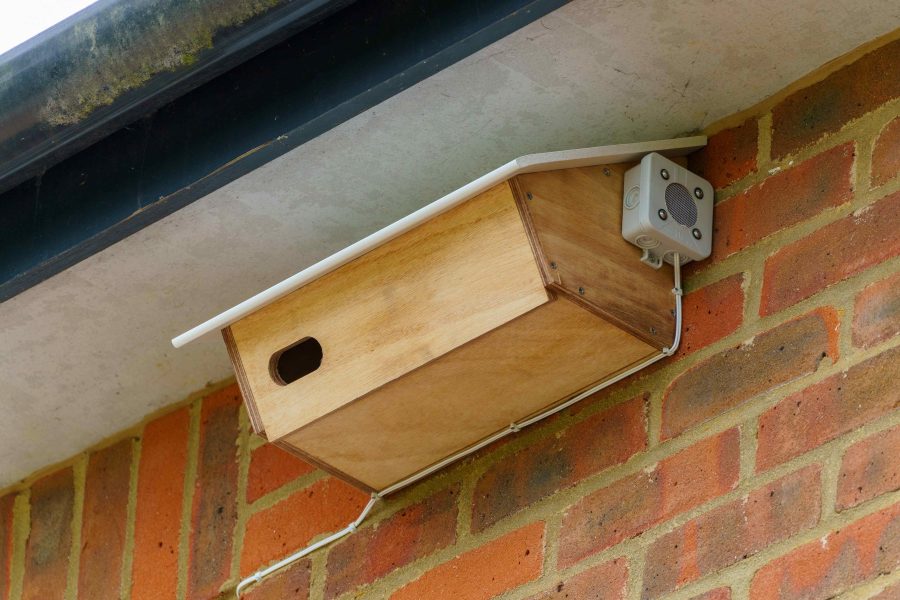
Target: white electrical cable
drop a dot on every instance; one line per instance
(260, 575)
(513, 427)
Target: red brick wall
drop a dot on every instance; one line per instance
(763, 461)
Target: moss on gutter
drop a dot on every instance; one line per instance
(123, 48)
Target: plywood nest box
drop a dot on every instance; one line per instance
(505, 297)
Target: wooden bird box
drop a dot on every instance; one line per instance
(508, 296)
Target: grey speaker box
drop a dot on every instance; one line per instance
(666, 209)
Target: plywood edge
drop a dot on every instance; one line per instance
(243, 382)
(290, 449)
(531, 233)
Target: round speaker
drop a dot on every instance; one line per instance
(681, 204)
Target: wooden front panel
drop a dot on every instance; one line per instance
(537, 360)
(408, 302)
(575, 217)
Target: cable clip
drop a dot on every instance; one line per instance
(514, 427)
(677, 291)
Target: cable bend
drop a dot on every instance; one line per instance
(352, 527)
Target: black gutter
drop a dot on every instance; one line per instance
(116, 60)
(234, 123)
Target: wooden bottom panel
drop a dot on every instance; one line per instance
(458, 399)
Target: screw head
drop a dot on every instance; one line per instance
(581, 291)
(698, 193)
(664, 173)
(696, 233)
(606, 171)
(662, 214)
(528, 195)
(553, 265)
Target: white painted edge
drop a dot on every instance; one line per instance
(530, 163)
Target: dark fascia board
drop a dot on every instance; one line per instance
(232, 124)
(116, 60)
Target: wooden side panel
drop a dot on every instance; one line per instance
(532, 362)
(575, 218)
(454, 278)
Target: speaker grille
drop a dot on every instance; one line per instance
(681, 205)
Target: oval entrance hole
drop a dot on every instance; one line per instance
(296, 361)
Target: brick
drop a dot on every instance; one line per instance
(606, 581)
(869, 468)
(831, 254)
(103, 521)
(410, 534)
(722, 593)
(485, 572)
(827, 409)
(50, 537)
(732, 532)
(886, 154)
(784, 199)
(556, 462)
(275, 532)
(291, 583)
(6, 542)
(828, 566)
(729, 155)
(876, 313)
(214, 510)
(160, 493)
(732, 377)
(270, 468)
(847, 94)
(635, 503)
(891, 592)
(711, 313)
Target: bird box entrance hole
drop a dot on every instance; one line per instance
(296, 361)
